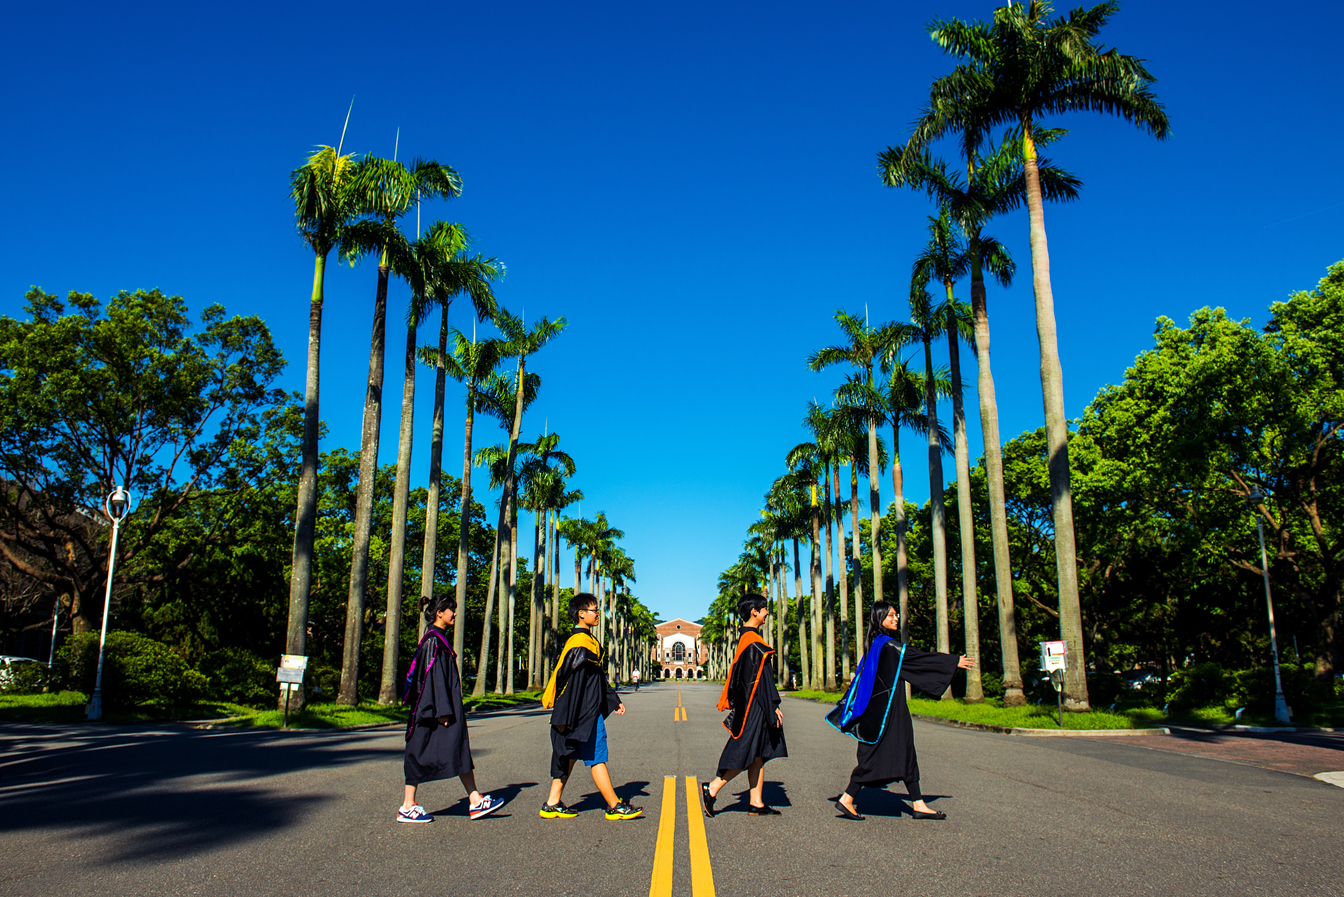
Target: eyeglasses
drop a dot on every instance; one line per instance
(589, 610)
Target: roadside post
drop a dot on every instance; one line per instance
(1054, 661)
(289, 674)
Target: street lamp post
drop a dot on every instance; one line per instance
(117, 506)
(1280, 703)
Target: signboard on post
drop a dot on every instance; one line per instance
(1053, 656)
(290, 674)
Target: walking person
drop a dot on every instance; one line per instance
(634, 677)
(874, 711)
(437, 746)
(581, 698)
(755, 724)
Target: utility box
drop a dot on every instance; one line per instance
(1054, 656)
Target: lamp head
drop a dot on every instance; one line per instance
(118, 504)
(1255, 497)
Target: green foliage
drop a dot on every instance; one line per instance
(1198, 686)
(136, 671)
(58, 707)
(238, 676)
(23, 678)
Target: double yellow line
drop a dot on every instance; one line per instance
(702, 875)
(679, 711)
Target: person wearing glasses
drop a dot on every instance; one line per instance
(874, 713)
(755, 724)
(580, 698)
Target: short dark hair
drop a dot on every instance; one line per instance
(440, 602)
(748, 603)
(581, 601)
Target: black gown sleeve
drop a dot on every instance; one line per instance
(929, 672)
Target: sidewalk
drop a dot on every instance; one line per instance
(1299, 753)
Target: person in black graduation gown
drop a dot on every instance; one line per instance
(437, 746)
(886, 750)
(756, 724)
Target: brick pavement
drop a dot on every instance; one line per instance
(1300, 753)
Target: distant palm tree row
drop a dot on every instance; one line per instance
(1013, 71)
(354, 205)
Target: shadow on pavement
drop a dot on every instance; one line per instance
(138, 784)
(508, 794)
(627, 792)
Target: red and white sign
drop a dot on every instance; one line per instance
(1053, 656)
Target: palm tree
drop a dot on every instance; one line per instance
(471, 363)
(805, 464)
(994, 184)
(1018, 69)
(925, 319)
(546, 481)
(384, 190)
(828, 439)
(865, 347)
(323, 208)
(786, 503)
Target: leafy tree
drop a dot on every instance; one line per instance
(93, 397)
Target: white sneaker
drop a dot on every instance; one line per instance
(487, 805)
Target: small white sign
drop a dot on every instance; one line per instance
(1053, 655)
(284, 675)
(293, 661)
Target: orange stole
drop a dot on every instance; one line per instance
(749, 638)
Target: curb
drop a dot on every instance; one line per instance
(1057, 733)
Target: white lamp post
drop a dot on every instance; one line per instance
(117, 506)
(1280, 704)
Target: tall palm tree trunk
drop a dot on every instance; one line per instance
(513, 592)
(538, 597)
(464, 520)
(1056, 435)
(902, 530)
(502, 613)
(939, 523)
(782, 617)
(970, 594)
(829, 609)
(348, 693)
(804, 668)
(998, 514)
(429, 557)
(844, 578)
(875, 510)
(305, 515)
(856, 556)
(483, 663)
(818, 661)
(554, 648)
(396, 557)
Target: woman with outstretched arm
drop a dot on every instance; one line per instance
(874, 712)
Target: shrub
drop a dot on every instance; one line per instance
(136, 671)
(23, 679)
(1104, 688)
(1201, 685)
(992, 683)
(240, 677)
(1305, 694)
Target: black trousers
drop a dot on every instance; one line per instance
(856, 786)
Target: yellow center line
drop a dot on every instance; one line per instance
(702, 875)
(660, 885)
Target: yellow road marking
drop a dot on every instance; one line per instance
(660, 885)
(702, 875)
(679, 712)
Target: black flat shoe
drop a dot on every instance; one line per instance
(934, 815)
(847, 813)
(706, 800)
(762, 811)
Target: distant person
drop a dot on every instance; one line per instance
(874, 712)
(437, 746)
(755, 724)
(634, 677)
(581, 698)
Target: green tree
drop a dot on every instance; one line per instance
(93, 397)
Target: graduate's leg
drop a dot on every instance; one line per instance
(468, 780)
(723, 778)
(558, 785)
(410, 798)
(756, 781)
(917, 797)
(851, 792)
(602, 779)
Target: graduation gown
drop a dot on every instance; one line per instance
(750, 694)
(886, 750)
(433, 690)
(578, 695)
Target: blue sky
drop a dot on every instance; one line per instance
(692, 185)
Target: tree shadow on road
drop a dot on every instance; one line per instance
(164, 793)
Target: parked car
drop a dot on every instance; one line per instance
(1137, 679)
(8, 664)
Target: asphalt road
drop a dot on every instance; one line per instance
(149, 811)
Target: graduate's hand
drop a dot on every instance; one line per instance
(445, 720)
(779, 717)
(620, 709)
(965, 663)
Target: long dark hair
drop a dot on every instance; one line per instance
(876, 617)
(440, 602)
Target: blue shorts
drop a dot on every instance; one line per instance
(594, 750)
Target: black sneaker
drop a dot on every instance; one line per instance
(557, 811)
(623, 810)
(706, 800)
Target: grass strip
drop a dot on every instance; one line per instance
(990, 713)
